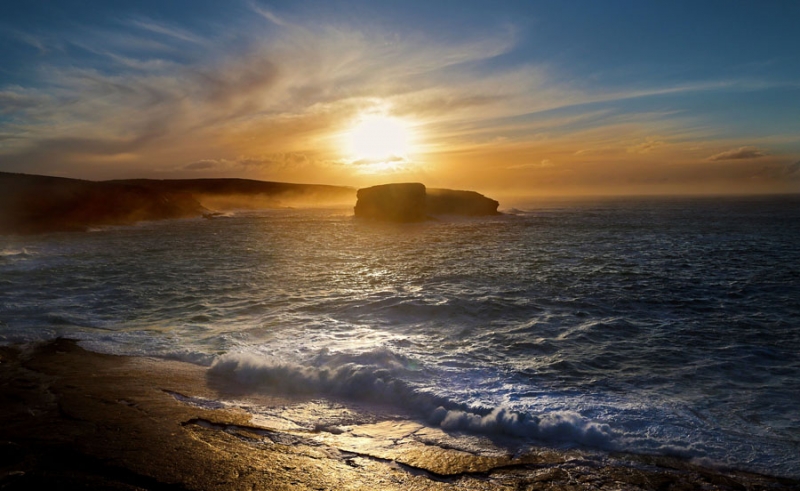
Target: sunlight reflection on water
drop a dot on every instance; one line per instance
(661, 317)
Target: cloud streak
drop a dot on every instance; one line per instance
(287, 90)
(159, 96)
(741, 153)
(165, 30)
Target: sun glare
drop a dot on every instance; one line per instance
(379, 138)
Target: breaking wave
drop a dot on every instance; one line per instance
(380, 376)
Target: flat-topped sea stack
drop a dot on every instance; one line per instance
(412, 202)
(401, 202)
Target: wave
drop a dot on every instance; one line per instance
(515, 211)
(381, 376)
(13, 255)
(384, 377)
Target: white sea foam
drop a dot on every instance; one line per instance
(566, 427)
(377, 376)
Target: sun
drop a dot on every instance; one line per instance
(379, 139)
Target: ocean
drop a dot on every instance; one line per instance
(663, 326)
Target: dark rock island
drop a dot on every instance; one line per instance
(412, 202)
(404, 202)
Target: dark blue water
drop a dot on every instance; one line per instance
(650, 325)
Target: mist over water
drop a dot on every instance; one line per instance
(658, 325)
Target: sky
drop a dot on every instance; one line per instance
(532, 98)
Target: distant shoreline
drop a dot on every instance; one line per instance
(32, 204)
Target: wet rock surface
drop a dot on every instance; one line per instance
(80, 420)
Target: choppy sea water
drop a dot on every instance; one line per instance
(667, 326)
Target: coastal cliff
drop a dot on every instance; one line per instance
(38, 204)
(229, 194)
(412, 202)
(31, 204)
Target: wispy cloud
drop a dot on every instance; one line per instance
(647, 146)
(543, 164)
(268, 95)
(741, 153)
(170, 31)
(40, 42)
(288, 91)
(228, 165)
(267, 14)
(392, 159)
(17, 99)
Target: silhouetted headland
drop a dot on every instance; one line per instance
(412, 202)
(233, 194)
(32, 204)
(36, 204)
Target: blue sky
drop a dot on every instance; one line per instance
(539, 97)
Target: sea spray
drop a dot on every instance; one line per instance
(382, 382)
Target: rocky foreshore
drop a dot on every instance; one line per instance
(73, 419)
